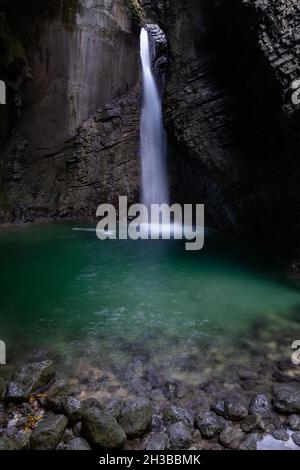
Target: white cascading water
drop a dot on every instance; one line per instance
(153, 136)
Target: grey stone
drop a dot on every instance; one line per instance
(252, 423)
(159, 441)
(72, 409)
(78, 443)
(55, 396)
(287, 398)
(7, 444)
(235, 411)
(48, 433)
(114, 407)
(23, 440)
(231, 437)
(180, 436)
(260, 405)
(280, 435)
(250, 443)
(218, 407)
(294, 422)
(101, 429)
(136, 417)
(210, 424)
(36, 375)
(16, 392)
(296, 438)
(173, 414)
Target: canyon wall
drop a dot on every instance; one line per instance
(231, 122)
(76, 136)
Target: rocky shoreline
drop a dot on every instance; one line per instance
(42, 410)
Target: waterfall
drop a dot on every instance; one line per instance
(152, 134)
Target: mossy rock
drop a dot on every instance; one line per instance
(137, 12)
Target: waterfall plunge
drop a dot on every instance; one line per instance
(153, 137)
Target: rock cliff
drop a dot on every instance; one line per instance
(82, 55)
(228, 110)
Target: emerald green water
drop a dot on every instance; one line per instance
(67, 292)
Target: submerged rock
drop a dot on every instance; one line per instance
(78, 443)
(174, 414)
(287, 398)
(159, 441)
(260, 405)
(180, 436)
(102, 429)
(136, 417)
(280, 435)
(210, 424)
(231, 437)
(48, 433)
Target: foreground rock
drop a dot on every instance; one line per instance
(72, 409)
(48, 433)
(78, 444)
(294, 422)
(250, 443)
(209, 424)
(234, 410)
(136, 417)
(29, 380)
(158, 441)
(260, 405)
(252, 423)
(180, 436)
(102, 429)
(56, 395)
(231, 438)
(296, 438)
(174, 414)
(287, 398)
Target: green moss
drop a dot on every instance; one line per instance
(136, 11)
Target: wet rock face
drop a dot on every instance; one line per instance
(229, 115)
(180, 436)
(48, 433)
(30, 379)
(287, 398)
(210, 424)
(50, 168)
(101, 429)
(261, 406)
(136, 417)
